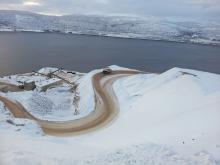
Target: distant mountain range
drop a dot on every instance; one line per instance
(116, 26)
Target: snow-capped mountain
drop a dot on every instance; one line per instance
(117, 26)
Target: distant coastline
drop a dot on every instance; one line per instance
(150, 28)
(110, 35)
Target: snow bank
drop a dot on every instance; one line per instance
(87, 102)
(132, 155)
(55, 104)
(179, 108)
(86, 92)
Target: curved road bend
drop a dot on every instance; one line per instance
(106, 108)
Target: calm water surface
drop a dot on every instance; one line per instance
(24, 52)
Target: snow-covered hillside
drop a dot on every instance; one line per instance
(167, 118)
(206, 32)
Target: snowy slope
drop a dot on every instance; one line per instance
(167, 118)
(179, 107)
(117, 26)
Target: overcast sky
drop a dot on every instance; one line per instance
(169, 8)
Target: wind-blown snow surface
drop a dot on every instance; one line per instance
(168, 118)
(156, 28)
(179, 107)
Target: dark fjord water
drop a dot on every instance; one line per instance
(24, 52)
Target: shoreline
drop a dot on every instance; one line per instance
(112, 36)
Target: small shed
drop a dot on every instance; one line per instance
(28, 86)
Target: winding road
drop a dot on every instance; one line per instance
(106, 108)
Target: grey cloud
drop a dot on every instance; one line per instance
(176, 8)
(10, 1)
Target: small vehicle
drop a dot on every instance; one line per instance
(107, 71)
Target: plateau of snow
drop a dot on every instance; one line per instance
(167, 118)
